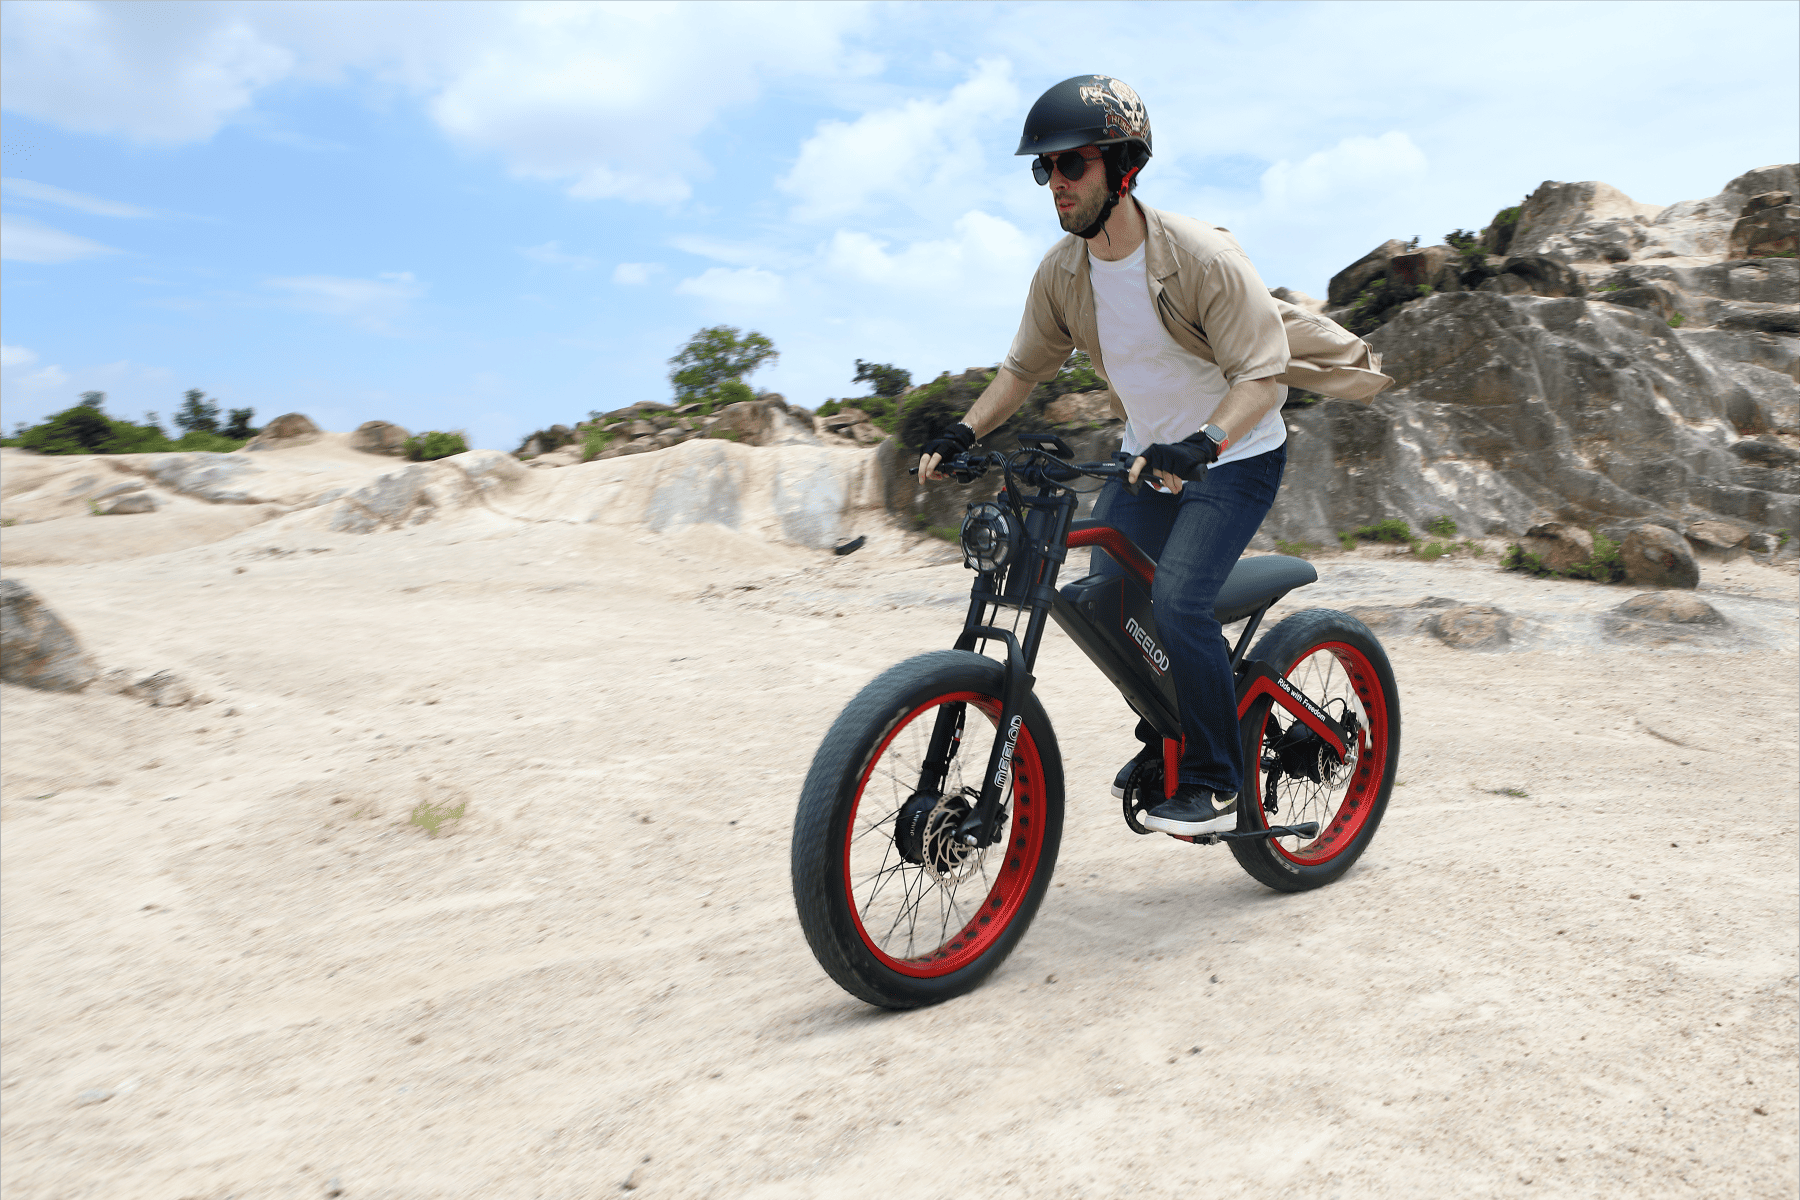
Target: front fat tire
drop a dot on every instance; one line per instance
(886, 722)
(1321, 650)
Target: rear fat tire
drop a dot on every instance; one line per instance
(846, 867)
(1330, 656)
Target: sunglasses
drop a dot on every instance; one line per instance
(1070, 163)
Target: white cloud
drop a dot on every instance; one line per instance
(1360, 171)
(747, 287)
(738, 254)
(33, 190)
(374, 304)
(913, 154)
(986, 258)
(604, 98)
(162, 73)
(25, 240)
(552, 254)
(16, 356)
(635, 274)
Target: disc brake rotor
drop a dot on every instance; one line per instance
(925, 833)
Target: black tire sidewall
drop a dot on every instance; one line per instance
(829, 796)
(1282, 647)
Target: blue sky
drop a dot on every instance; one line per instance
(494, 217)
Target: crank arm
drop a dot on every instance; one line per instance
(1307, 829)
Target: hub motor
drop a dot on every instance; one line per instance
(925, 833)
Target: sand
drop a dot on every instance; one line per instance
(233, 968)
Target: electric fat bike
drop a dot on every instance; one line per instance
(929, 824)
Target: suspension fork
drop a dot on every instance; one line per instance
(1031, 585)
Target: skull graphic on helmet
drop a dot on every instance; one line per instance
(1125, 113)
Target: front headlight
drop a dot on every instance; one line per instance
(990, 537)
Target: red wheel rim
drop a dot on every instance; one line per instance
(960, 921)
(1352, 802)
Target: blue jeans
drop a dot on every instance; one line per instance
(1196, 538)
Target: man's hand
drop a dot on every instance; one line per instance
(953, 441)
(1175, 462)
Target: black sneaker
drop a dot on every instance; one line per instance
(1147, 754)
(1193, 810)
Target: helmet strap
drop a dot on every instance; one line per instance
(1118, 182)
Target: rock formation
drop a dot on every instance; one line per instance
(379, 437)
(289, 429)
(1616, 367)
(36, 649)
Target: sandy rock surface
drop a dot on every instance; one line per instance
(1566, 967)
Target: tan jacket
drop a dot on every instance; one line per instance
(1213, 304)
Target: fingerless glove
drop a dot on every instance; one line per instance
(1186, 459)
(953, 441)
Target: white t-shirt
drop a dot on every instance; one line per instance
(1168, 393)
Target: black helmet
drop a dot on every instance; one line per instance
(1087, 110)
(1092, 110)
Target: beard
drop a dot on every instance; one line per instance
(1076, 219)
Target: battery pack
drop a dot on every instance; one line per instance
(1110, 618)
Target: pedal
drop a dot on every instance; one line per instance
(1306, 829)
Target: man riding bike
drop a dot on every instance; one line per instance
(1179, 324)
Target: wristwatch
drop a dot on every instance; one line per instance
(1217, 436)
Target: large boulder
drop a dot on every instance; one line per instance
(1544, 276)
(1511, 410)
(1360, 274)
(1770, 225)
(1676, 608)
(379, 437)
(1080, 408)
(36, 649)
(289, 429)
(1589, 220)
(1659, 558)
(130, 502)
(1559, 545)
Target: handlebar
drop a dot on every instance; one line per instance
(1031, 466)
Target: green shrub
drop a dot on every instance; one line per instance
(433, 817)
(1602, 565)
(730, 391)
(593, 440)
(829, 407)
(1347, 540)
(1473, 548)
(434, 444)
(1391, 530)
(1517, 558)
(1781, 539)
(1443, 527)
(1297, 549)
(86, 429)
(1432, 551)
(1676, 321)
(1462, 240)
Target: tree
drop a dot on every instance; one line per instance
(83, 429)
(716, 355)
(886, 378)
(198, 414)
(239, 426)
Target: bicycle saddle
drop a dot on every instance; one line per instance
(1253, 582)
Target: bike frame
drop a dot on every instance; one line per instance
(1028, 586)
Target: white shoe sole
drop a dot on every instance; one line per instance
(1222, 823)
